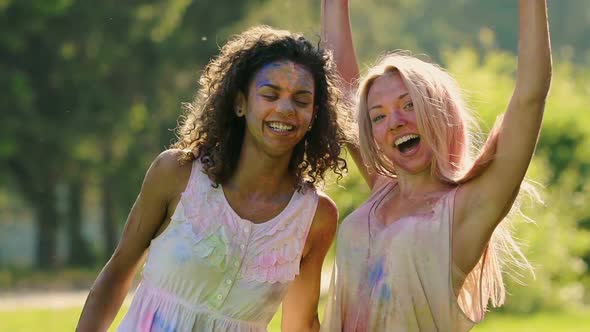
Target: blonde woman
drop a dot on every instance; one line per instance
(423, 253)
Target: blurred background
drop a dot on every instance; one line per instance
(90, 92)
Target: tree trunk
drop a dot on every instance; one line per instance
(109, 215)
(40, 192)
(79, 252)
(47, 226)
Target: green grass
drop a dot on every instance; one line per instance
(38, 320)
(538, 322)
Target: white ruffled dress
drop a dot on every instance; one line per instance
(211, 270)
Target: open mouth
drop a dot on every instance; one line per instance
(280, 127)
(407, 142)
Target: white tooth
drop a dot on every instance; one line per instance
(280, 126)
(404, 139)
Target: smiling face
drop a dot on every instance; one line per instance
(279, 107)
(394, 125)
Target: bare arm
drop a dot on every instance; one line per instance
(144, 221)
(301, 302)
(337, 36)
(484, 201)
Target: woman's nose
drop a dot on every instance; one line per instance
(285, 106)
(396, 120)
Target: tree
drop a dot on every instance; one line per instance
(80, 80)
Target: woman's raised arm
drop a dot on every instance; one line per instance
(484, 201)
(337, 36)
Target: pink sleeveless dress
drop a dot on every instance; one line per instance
(404, 283)
(211, 270)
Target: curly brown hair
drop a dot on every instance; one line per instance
(211, 132)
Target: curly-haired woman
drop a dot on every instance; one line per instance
(231, 214)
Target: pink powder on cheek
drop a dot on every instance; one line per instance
(379, 132)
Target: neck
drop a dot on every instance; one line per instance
(260, 174)
(412, 185)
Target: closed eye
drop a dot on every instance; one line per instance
(302, 103)
(270, 97)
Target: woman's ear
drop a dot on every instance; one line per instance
(240, 105)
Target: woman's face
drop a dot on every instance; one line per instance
(279, 108)
(394, 125)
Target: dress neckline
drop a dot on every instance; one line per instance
(380, 225)
(225, 205)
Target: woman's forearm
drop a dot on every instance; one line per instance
(337, 36)
(534, 51)
(104, 301)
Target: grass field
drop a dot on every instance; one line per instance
(43, 320)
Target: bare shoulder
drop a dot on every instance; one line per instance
(169, 170)
(167, 176)
(323, 227)
(326, 215)
(169, 161)
(327, 208)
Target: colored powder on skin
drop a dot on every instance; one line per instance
(287, 78)
(261, 83)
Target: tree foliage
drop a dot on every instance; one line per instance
(89, 93)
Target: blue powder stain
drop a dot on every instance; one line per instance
(376, 273)
(159, 324)
(262, 82)
(262, 72)
(385, 292)
(181, 253)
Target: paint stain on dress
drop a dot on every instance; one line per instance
(376, 281)
(376, 273)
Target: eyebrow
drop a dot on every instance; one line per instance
(375, 107)
(402, 96)
(278, 88)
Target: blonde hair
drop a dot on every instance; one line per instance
(446, 124)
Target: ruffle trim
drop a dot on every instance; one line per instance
(277, 249)
(209, 239)
(278, 260)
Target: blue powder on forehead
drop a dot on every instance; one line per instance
(263, 82)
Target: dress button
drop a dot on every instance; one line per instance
(228, 281)
(219, 296)
(246, 230)
(242, 246)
